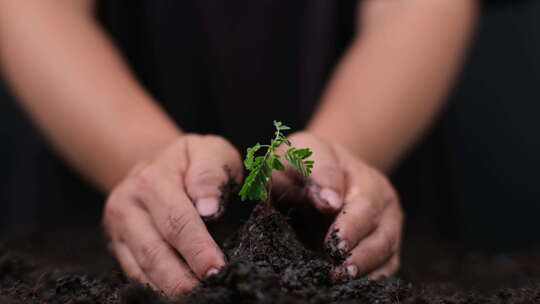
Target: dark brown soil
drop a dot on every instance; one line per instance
(268, 264)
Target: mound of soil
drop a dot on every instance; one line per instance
(267, 264)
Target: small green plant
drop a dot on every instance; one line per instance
(260, 167)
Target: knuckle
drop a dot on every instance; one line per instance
(389, 194)
(200, 251)
(175, 152)
(389, 241)
(373, 209)
(222, 144)
(176, 226)
(216, 140)
(373, 220)
(138, 167)
(372, 213)
(176, 288)
(206, 176)
(144, 178)
(371, 251)
(112, 212)
(150, 255)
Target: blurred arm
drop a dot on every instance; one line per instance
(75, 85)
(395, 75)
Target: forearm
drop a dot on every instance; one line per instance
(74, 84)
(393, 79)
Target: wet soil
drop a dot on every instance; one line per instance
(267, 264)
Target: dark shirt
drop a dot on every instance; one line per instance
(220, 67)
(216, 66)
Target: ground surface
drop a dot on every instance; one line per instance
(267, 265)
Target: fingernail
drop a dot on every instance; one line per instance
(337, 273)
(207, 206)
(352, 270)
(212, 271)
(331, 197)
(343, 246)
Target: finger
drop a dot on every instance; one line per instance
(176, 219)
(156, 259)
(365, 203)
(325, 186)
(389, 269)
(129, 264)
(213, 165)
(377, 248)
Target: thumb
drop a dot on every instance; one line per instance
(326, 185)
(214, 168)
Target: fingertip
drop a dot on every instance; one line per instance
(331, 198)
(352, 270)
(337, 273)
(336, 247)
(208, 207)
(344, 272)
(343, 245)
(325, 199)
(205, 261)
(212, 271)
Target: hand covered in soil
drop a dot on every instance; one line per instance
(153, 217)
(365, 236)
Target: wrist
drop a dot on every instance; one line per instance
(326, 134)
(349, 142)
(140, 144)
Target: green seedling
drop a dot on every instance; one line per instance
(256, 184)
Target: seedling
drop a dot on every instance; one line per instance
(256, 185)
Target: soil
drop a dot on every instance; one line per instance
(268, 263)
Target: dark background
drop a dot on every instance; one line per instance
(475, 174)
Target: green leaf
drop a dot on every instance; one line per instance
(276, 142)
(284, 128)
(292, 159)
(296, 157)
(254, 187)
(248, 162)
(260, 167)
(285, 140)
(257, 162)
(280, 126)
(278, 165)
(303, 153)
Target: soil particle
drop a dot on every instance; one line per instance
(337, 255)
(268, 264)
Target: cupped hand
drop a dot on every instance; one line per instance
(153, 217)
(365, 236)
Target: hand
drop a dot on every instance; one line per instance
(153, 216)
(365, 236)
